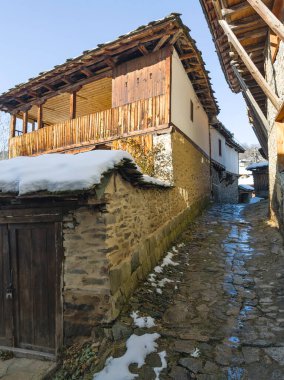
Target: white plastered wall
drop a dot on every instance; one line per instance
(215, 137)
(232, 160)
(182, 93)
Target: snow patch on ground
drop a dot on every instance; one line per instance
(164, 365)
(163, 282)
(195, 353)
(147, 322)
(168, 260)
(138, 347)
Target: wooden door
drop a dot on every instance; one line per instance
(33, 254)
(6, 319)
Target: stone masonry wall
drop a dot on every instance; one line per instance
(275, 78)
(141, 224)
(224, 192)
(86, 293)
(109, 248)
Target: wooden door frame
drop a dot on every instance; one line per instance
(32, 216)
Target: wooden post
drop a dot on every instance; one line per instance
(270, 19)
(39, 116)
(250, 65)
(280, 145)
(13, 121)
(25, 122)
(73, 105)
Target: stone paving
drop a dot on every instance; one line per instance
(24, 369)
(219, 309)
(222, 314)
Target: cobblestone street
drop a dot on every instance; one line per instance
(220, 311)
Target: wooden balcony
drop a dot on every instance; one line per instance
(131, 119)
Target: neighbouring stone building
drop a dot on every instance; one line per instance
(78, 251)
(224, 164)
(249, 38)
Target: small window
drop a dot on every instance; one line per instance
(191, 111)
(220, 147)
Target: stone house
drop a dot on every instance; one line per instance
(224, 153)
(71, 255)
(249, 41)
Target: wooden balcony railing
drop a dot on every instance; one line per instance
(95, 128)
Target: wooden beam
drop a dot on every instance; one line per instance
(13, 121)
(249, 97)
(142, 48)
(73, 105)
(198, 81)
(256, 33)
(176, 36)
(161, 42)
(110, 62)
(270, 19)
(187, 56)
(233, 11)
(190, 69)
(25, 122)
(39, 116)
(63, 90)
(87, 72)
(275, 100)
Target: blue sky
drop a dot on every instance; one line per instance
(36, 35)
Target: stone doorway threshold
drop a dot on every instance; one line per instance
(19, 368)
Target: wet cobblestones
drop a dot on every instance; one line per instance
(221, 314)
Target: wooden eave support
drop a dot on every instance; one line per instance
(142, 48)
(25, 121)
(87, 72)
(262, 127)
(161, 42)
(275, 100)
(251, 100)
(187, 56)
(13, 125)
(73, 104)
(270, 19)
(176, 36)
(39, 116)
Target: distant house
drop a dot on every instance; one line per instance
(260, 178)
(245, 193)
(246, 177)
(77, 245)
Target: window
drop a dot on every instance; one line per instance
(220, 147)
(191, 111)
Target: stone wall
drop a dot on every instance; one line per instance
(109, 248)
(86, 280)
(225, 191)
(141, 224)
(275, 78)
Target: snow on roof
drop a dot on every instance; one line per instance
(258, 165)
(246, 187)
(57, 173)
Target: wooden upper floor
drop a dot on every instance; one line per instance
(122, 88)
